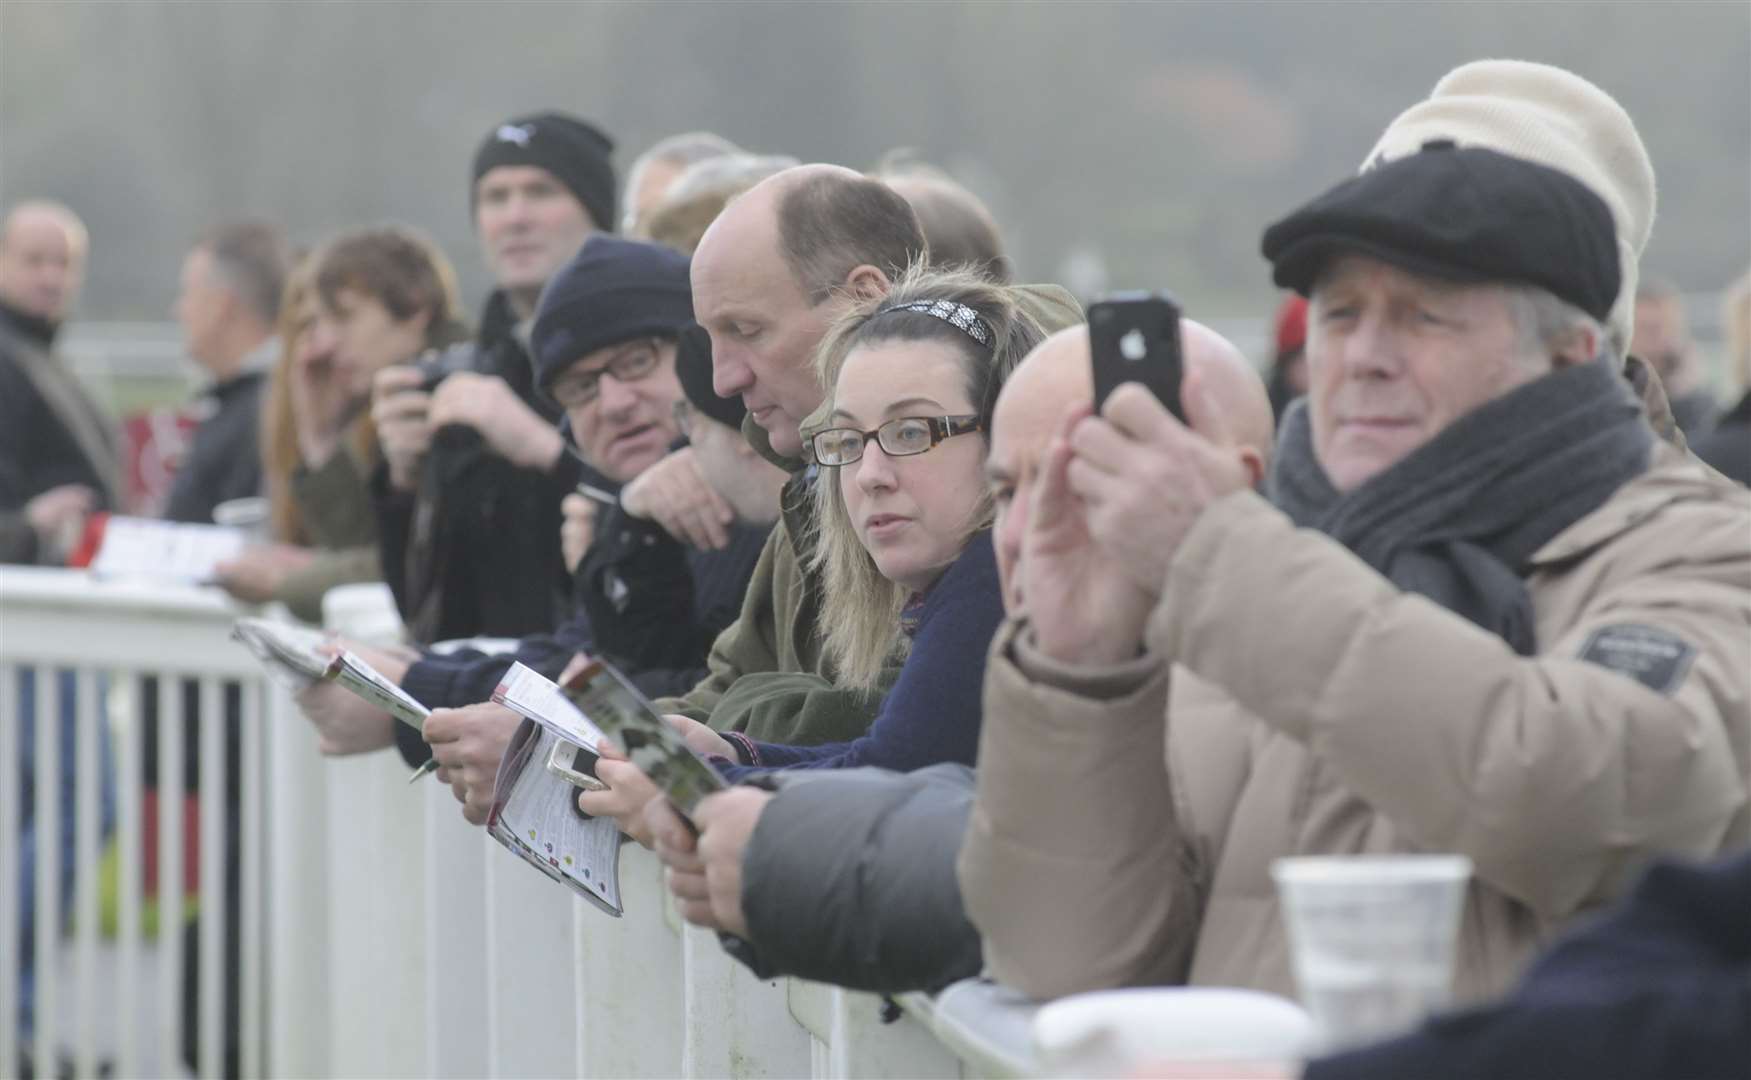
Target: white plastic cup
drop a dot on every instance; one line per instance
(1372, 939)
(363, 612)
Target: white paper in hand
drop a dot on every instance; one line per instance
(534, 696)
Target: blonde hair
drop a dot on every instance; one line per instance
(861, 608)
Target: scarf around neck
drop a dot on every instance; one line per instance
(1457, 519)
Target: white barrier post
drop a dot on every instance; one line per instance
(457, 986)
(630, 1008)
(531, 1002)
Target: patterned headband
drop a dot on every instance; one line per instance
(959, 316)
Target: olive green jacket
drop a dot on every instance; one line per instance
(769, 677)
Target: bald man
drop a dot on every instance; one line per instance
(849, 878)
(58, 456)
(770, 276)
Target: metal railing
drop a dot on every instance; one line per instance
(378, 934)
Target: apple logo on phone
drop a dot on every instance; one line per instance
(1133, 346)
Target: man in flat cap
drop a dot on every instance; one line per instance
(1484, 610)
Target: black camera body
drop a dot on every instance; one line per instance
(436, 365)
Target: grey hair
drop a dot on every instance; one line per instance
(1544, 322)
(730, 174)
(684, 149)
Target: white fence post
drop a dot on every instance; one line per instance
(457, 985)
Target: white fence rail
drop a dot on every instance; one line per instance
(377, 934)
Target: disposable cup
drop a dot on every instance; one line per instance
(1372, 939)
(250, 514)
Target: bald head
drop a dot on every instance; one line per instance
(42, 259)
(1228, 405)
(777, 266)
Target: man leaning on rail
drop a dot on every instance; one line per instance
(1490, 612)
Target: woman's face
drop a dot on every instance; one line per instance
(912, 513)
(367, 338)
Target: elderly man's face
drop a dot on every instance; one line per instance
(41, 266)
(1394, 357)
(763, 327)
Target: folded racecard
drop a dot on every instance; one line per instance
(297, 657)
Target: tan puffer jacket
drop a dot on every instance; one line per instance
(1309, 707)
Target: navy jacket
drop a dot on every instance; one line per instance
(932, 713)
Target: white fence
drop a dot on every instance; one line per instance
(378, 934)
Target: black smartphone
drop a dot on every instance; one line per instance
(1134, 337)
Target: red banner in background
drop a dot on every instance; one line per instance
(157, 440)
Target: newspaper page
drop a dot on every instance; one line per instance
(536, 817)
(164, 550)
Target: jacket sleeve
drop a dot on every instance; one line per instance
(849, 879)
(1073, 869)
(1558, 776)
(302, 590)
(18, 541)
(394, 513)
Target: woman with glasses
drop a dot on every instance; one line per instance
(904, 545)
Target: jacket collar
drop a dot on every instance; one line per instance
(1673, 476)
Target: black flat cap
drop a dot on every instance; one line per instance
(1465, 214)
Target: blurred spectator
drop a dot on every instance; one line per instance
(317, 447)
(1288, 379)
(652, 173)
(58, 451)
(605, 346)
(228, 306)
(699, 194)
(1502, 618)
(1662, 339)
(957, 225)
(468, 495)
(1728, 446)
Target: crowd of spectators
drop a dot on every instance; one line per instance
(1004, 682)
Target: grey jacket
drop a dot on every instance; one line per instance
(850, 879)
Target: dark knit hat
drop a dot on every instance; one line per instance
(575, 152)
(612, 291)
(1465, 214)
(693, 367)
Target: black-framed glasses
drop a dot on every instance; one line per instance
(577, 388)
(901, 437)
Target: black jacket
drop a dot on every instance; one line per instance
(849, 878)
(643, 600)
(1660, 987)
(51, 433)
(224, 458)
(475, 550)
(1728, 446)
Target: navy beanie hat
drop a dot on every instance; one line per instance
(693, 369)
(574, 151)
(611, 292)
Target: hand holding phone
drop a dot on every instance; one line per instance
(1134, 337)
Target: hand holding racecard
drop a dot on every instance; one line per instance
(615, 706)
(297, 658)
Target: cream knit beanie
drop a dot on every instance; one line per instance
(1553, 117)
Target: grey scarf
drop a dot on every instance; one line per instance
(1459, 517)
